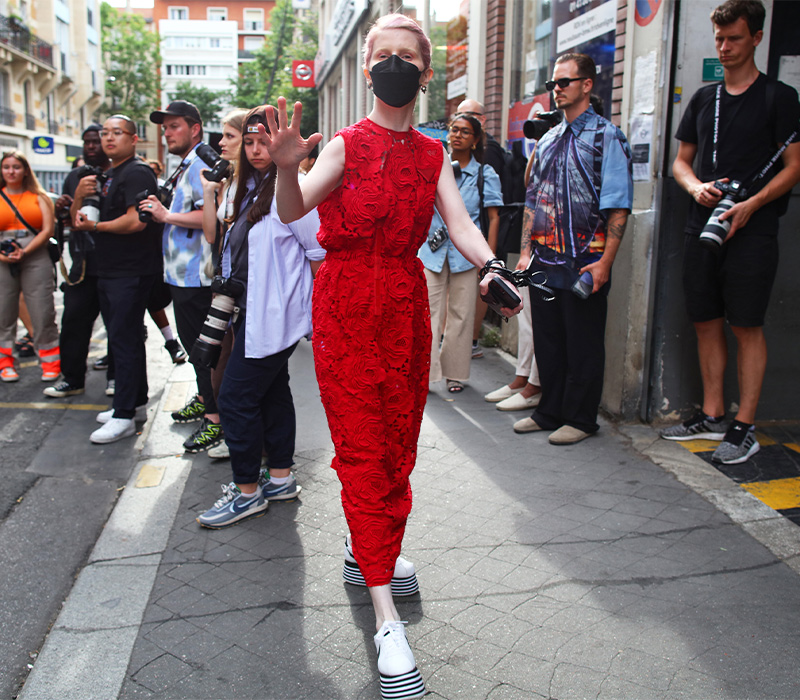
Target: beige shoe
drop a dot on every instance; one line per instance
(527, 425)
(499, 394)
(567, 435)
(518, 402)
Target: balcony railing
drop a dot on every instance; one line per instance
(7, 116)
(30, 122)
(52, 126)
(13, 33)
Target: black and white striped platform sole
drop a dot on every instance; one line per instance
(400, 586)
(403, 687)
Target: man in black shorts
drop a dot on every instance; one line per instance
(751, 116)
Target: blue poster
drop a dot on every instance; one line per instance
(44, 145)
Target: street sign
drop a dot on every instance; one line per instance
(44, 145)
(303, 73)
(712, 70)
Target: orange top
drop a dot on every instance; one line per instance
(28, 205)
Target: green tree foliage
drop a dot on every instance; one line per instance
(132, 59)
(209, 103)
(437, 88)
(269, 76)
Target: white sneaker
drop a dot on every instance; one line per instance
(115, 429)
(499, 394)
(140, 417)
(519, 403)
(221, 451)
(396, 666)
(404, 579)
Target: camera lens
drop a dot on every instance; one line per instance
(715, 231)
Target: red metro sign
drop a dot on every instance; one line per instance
(303, 73)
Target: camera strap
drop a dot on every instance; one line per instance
(758, 174)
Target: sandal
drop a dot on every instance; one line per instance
(454, 386)
(24, 346)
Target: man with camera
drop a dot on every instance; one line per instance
(81, 301)
(576, 209)
(128, 260)
(729, 132)
(186, 257)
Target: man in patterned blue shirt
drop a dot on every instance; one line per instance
(186, 253)
(576, 209)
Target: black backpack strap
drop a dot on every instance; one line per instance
(18, 215)
(482, 215)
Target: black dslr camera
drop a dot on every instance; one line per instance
(219, 166)
(542, 123)
(91, 204)
(208, 346)
(715, 231)
(163, 194)
(7, 247)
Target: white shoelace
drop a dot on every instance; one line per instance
(229, 492)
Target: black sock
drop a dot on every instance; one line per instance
(737, 432)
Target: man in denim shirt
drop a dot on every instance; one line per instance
(576, 209)
(186, 253)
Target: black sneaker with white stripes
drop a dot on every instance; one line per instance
(739, 445)
(62, 390)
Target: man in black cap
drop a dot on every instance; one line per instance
(186, 253)
(81, 302)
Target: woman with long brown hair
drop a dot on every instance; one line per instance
(27, 221)
(268, 267)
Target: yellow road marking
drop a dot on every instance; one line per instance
(58, 406)
(700, 445)
(149, 475)
(792, 446)
(779, 494)
(764, 441)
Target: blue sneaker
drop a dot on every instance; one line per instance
(233, 507)
(278, 492)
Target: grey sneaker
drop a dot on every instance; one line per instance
(729, 452)
(698, 427)
(233, 507)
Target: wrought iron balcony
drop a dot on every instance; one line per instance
(15, 34)
(7, 116)
(30, 122)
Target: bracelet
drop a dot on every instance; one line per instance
(94, 230)
(492, 265)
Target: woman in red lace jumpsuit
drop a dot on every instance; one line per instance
(376, 183)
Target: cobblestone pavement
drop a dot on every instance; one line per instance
(586, 571)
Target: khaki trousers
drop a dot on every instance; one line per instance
(452, 298)
(36, 279)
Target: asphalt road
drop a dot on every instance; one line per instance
(57, 490)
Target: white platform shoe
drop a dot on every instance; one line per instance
(404, 580)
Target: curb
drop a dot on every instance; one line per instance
(87, 651)
(764, 524)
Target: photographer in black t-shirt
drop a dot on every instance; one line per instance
(729, 131)
(128, 258)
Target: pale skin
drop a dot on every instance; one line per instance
(288, 148)
(736, 51)
(14, 172)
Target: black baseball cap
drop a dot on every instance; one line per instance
(178, 108)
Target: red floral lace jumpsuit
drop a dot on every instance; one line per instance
(372, 330)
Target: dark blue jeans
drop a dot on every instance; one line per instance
(256, 410)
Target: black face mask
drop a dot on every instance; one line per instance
(395, 81)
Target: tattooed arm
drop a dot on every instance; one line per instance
(615, 230)
(525, 244)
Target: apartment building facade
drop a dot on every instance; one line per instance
(51, 80)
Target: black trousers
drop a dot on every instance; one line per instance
(81, 307)
(256, 410)
(191, 306)
(569, 342)
(123, 301)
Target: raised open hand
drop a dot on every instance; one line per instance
(285, 144)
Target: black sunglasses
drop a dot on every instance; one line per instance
(561, 82)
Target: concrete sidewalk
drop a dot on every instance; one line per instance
(545, 572)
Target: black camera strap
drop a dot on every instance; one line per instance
(757, 174)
